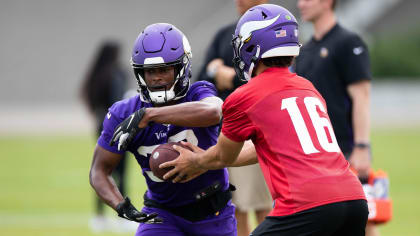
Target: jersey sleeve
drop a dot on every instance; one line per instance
(354, 64)
(112, 119)
(200, 90)
(236, 124)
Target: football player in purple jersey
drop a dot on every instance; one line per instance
(167, 109)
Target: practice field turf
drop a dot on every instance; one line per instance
(45, 189)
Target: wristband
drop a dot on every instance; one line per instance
(362, 145)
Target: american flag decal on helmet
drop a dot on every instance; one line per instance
(280, 33)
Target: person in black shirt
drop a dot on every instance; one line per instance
(337, 62)
(218, 67)
(252, 192)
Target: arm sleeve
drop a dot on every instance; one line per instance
(354, 62)
(111, 121)
(202, 89)
(236, 124)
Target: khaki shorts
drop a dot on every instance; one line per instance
(251, 190)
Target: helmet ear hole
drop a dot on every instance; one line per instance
(250, 48)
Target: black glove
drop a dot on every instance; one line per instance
(127, 130)
(127, 211)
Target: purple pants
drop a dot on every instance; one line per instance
(224, 224)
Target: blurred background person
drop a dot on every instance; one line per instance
(252, 193)
(105, 84)
(337, 62)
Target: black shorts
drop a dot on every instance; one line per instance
(336, 219)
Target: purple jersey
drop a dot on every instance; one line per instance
(149, 138)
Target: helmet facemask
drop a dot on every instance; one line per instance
(176, 91)
(243, 73)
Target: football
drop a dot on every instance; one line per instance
(163, 153)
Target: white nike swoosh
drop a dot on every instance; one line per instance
(358, 50)
(251, 26)
(108, 115)
(121, 140)
(132, 117)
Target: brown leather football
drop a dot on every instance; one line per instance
(163, 153)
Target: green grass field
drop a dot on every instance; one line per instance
(45, 189)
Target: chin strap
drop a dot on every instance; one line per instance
(164, 96)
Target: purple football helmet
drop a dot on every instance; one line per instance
(161, 45)
(266, 30)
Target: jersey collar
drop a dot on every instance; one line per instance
(282, 70)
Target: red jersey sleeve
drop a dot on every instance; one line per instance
(236, 124)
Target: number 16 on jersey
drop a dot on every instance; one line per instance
(320, 124)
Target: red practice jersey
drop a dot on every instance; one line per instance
(286, 118)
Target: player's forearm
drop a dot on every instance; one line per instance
(105, 188)
(190, 114)
(247, 156)
(243, 162)
(225, 153)
(212, 159)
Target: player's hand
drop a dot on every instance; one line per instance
(127, 211)
(213, 66)
(127, 130)
(185, 166)
(360, 161)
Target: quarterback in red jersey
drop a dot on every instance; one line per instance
(286, 119)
